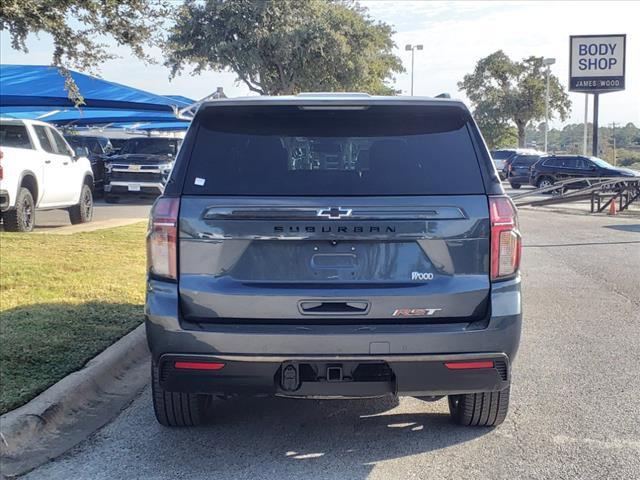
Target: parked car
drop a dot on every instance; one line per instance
(333, 245)
(500, 157)
(554, 168)
(518, 169)
(40, 171)
(142, 167)
(99, 148)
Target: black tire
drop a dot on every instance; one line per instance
(544, 182)
(515, 186)
(23, 217)
(175, 409)
(487, 409)
(83, 211)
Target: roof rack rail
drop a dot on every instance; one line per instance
(443, 95)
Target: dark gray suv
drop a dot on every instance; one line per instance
(333, 245)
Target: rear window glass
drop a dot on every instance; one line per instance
(14, 136)
(92, 144)
(525, 160)
(151, 146)
(290, 151)
(501, 154)
(43, 138)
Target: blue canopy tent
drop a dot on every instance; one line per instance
(153, 126)
(37, 92)
(39, 85)
(89, 116)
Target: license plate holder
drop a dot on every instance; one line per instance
(134, 187)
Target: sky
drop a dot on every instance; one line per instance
(455, 36)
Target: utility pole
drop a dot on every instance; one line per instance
(412, 48)
(613, 134)
(586, 121)
(596, 103)
(548, 62)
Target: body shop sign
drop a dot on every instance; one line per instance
(596, 63)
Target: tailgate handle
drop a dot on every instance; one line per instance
(318, 307)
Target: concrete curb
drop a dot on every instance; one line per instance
(75, 407)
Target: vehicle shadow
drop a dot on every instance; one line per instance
(127, 200)
(635, 228)
(287, 438)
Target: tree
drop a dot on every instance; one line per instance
(514, 92)
(287, 46)
(77, 25)
(497, 132)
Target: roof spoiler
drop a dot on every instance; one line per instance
(443, 95)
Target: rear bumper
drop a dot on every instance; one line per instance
(351, 377)
(254, 354)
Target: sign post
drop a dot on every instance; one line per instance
(597, 65)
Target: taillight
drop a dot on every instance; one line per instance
(203, 365)
(162, 238)
(506, 242)
(469, 365)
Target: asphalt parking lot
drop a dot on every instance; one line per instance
(575, 410)
(131, 208)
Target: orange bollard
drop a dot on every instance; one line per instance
(613, 208)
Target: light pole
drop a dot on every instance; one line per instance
(548, 62)
(413, 48)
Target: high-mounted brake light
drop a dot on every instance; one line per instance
(506, 242)
(162, 238)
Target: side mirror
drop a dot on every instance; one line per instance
(592, 168)
(82, 152)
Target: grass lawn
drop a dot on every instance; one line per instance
(64, 299)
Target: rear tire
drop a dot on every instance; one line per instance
(83, 211)
(544, 182)
(176, 409)
(515, 186)
(23, 217)
(488, 409)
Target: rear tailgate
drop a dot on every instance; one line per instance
(247, 259)
(311, 215)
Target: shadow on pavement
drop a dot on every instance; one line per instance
(625, 228)
(287, 438)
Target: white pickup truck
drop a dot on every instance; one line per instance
(40, 171)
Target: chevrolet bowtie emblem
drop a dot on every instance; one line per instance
(334, 212)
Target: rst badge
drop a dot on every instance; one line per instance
(415, 312)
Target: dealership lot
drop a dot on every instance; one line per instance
(574, 409)
(134, 208)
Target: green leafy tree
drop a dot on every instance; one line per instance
(496, 132)
(514, 92)
(287, 46)
(79, 26)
